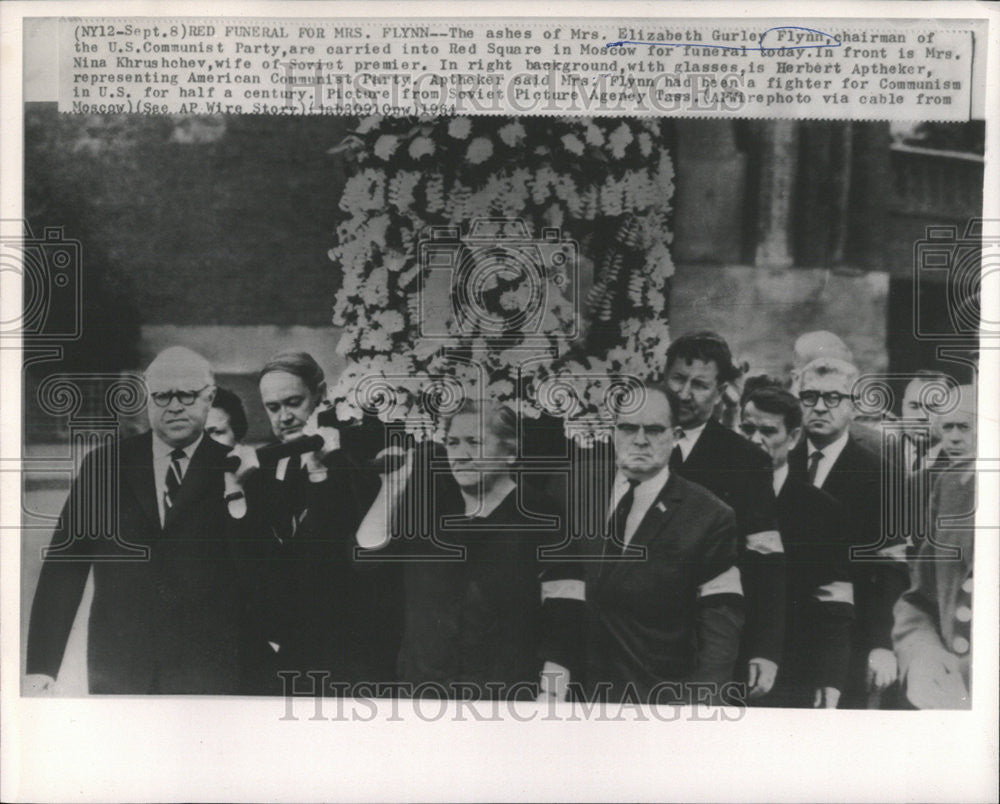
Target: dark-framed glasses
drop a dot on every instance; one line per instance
(162, 398)
(831, 399)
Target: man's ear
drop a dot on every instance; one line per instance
(211, 391)
(796, 435)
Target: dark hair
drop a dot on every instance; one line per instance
(299, 364)
(776, 400)
(226, 401)
(752, 384)
(707, 346)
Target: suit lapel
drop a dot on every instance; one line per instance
(196, 481)
(136, 459)
(655, 521)
(701, 452)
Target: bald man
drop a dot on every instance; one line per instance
(166, 622)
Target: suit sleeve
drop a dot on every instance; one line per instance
(830, 610)
(916, 629)
(720, 613)
(60, 585)
(563, 603)
(762, 563)
(879, 580)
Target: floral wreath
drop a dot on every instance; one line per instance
(465, 255)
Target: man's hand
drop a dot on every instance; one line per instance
(826, 698)
(760, 677)
(38, 684)
(395, 482)
(248, 462)
(554, 683)
(313, 461)
(934, 681)
(882, 669)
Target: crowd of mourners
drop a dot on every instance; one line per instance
(759, 544)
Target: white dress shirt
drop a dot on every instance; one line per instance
(689, 438)
(644, 495)
(830, 454)
(780, 476)
(161, 464)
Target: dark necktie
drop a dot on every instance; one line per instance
(676, 459)
(175, 474)
(619, 520)
(814, 460)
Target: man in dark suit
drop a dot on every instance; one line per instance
(699, 368)
(831, 460)
(933, 618)
(820, 596)
(664, 602)
(169, 622)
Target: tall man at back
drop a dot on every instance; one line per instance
(699, 367)
(168, 623)
(830, 459)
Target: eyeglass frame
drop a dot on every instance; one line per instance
(823, 395)
(179, 395)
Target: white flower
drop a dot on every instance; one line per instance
(572, 144)
(369, 123)
(460, 128)
(516, 298)
(512, 134)
(421, 146)
(385, 146)
(594, 135)
(619, 140)
(645, 144)
(391, 321)
(480, 149)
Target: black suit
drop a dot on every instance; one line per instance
(739, 474)
(322, 615)
(646, 623)
(169, 624)
(878, 567)
(819, 600)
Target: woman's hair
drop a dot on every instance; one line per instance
(230, 404)
(500, 419)
(300, 364)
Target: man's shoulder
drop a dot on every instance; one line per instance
(695, 497)
(738, 452)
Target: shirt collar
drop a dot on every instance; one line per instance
(689, 438)
(780, 476)
(162, 450)
(650, 486)
(831, 451)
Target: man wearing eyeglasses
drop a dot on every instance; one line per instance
(167, 621)
(664, 602)
(830, 459)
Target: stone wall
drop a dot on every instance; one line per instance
(761, 312)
